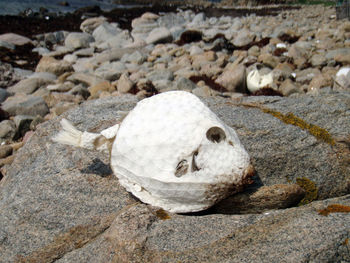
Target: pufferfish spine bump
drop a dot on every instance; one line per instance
(171, 151)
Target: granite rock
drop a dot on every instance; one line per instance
(67, 206)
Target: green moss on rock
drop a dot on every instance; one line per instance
(314, 130)
(310, 189)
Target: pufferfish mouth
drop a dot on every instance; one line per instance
(248, 173)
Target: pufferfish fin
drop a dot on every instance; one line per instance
(70, 135)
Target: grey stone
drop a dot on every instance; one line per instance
(143, 25)
(60, 51)
(90, 24)
(337, 52)
(47, 76)
(288, 87)
(85, 52)
(159, 35)
(5, 150)
(233, 79)
(124, 84)
(7, 129)
(169, 20)
(41, 50)
(54, 66)
(61, 87)
(163, 85)
(7, 45)
(111, 71)
(36, 121)
(306, 75)
(54, 38)
(135, 57)
(8, 75)
(28, 86)
(112, 54)
(26, 105)
(318, 60)
(244, 37)
(86, 79)
(204, 91)
(121, 40)
(15, 39)
(77, 40)
(22, 124)
(160, 74)
(105, 31)
(184, 84)
(23, 73)
(65, 206)
(200, 17)
(80, 90)
(4, 94)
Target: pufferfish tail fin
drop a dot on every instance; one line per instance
(93, 141)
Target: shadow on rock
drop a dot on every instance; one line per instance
(98, 167)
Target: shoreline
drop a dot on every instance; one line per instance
(46, 22)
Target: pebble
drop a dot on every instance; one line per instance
(124, 84)
(77, 40)
(28, 86)
(15, 39)
(7, 129)
(233, 78)
(90, 24)
(22, 104)
(164, 51)
(22, 123)
(5, 150)
(54, 66)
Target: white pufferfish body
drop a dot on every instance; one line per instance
(173, 152)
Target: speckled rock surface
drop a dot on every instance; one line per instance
(66, 206)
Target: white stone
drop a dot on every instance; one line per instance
(71, 58)
(256, 81)
(173, 152)
(157, 35)
(281, 45)
(15, 39)
(105, 31)
(90, 24)
(195, 50)
(342, 78)
(199, 18)
(78, 40)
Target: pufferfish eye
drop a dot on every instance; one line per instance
(216, 134)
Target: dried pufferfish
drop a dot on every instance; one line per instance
(171, 151)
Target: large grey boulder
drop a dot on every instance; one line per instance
(60, 203)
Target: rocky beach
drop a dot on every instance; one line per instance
(279, 75)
